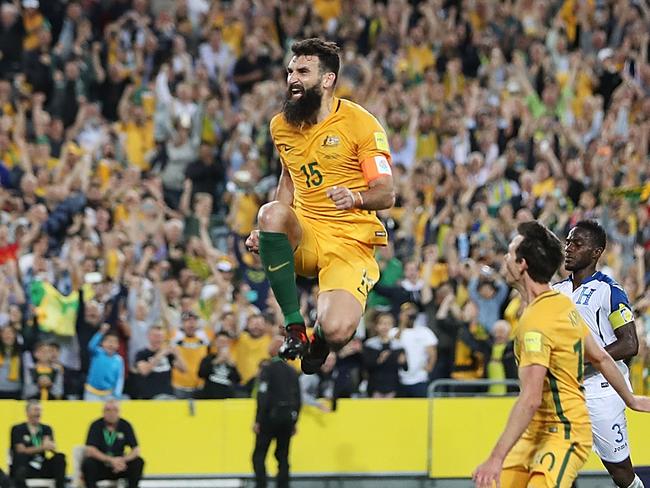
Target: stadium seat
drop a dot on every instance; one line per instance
(77, 479)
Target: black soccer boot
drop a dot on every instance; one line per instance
(316, 355)
(295, 342)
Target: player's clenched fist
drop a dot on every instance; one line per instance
(343, 198)
(253, 241)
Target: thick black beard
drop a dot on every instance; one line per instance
(303, 110)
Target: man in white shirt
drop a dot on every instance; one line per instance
(605, 308)
(419, 344)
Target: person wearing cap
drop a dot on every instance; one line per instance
(154, 365)
(192, 343)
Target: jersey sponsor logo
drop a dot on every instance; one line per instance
(331, 141)
(585, 296)
(272, 269)
(383, 166)
(380, 233)
(380, 141)
(285, 148)
(533, 342)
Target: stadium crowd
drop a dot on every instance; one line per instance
(135, 153)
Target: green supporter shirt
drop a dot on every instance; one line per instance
(539, 109)
(390, 275)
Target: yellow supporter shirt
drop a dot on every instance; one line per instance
(248, 352)
(138, 141)
(330, 154)
(420, 58)
(245, 207)
(327, 9)
(192, 350)
(543, 187)
(32, 24)
(551, 333)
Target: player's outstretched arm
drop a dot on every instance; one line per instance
(604, 363)
(531, 378)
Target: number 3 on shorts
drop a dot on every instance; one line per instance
(617, 429)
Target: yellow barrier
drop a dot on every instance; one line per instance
(362, 436)
(464, 431)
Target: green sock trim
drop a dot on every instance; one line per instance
(277, 257)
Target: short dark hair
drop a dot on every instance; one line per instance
(111, 333)
(326, 51)
(596, 232)
(541, 249)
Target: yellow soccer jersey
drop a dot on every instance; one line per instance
(551, 333)
(331, 154)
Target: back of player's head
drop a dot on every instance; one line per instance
(541, 249)
(326, 51)
(597, 235)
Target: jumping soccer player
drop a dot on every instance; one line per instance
(335, 174)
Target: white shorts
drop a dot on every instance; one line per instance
(609, 428)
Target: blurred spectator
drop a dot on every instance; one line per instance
(44, 380)
(488, 290)
(502, 364)
(106, 457)
(472, 350)
(33, 450)
(419, 345)
(444, 324)
(383, 357)
(218, 370)
(250, 349)
(106, 373)
(10, 365)
(192, 346)
(154, 365)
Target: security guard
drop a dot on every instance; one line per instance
(278, 406)
(33, 450)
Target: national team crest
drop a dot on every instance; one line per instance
(331, 141)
